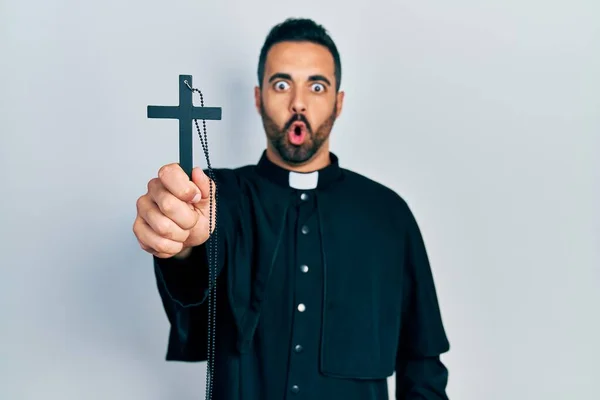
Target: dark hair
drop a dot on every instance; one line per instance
(299, 30)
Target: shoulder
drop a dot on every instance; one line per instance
(374, 192)
(384, 205)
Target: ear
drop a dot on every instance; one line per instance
(340, 103)
(257, 100)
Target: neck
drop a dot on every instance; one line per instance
(319, 161)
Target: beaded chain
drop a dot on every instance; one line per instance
(212, 256)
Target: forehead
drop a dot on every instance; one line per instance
(299, 59)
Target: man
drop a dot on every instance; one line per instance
(324, 287)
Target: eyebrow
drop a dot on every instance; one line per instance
(312, 78)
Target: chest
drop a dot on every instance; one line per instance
(353, 254)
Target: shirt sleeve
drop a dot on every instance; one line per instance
(183, 288)
(420, 374)
(183, 282)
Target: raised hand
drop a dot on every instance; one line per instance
(173, 216)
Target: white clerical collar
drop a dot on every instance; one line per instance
(304, 180)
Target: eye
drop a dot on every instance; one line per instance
(318, 87)
(281, 85)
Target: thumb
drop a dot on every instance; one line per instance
(203, 183)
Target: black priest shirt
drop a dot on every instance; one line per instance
(324, 291)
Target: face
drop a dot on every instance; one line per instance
(298, 102)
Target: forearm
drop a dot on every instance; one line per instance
(183, 278)
(420, 373)
(422, 378)
(182, 283)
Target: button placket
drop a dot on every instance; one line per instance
(303, 341)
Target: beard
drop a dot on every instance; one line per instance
(290, 153)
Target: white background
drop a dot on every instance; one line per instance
(485, 117)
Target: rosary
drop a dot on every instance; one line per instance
(212, 256)
(185, 113)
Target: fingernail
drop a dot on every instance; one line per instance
(197, 198)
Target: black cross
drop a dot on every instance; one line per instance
(186, 112)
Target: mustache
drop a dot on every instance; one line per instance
(298, 118)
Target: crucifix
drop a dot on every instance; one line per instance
(185, 112)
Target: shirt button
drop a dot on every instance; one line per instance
(301, 307)
(298, 348)
(304, 268)
(305, 229)
(304, 196)
(295, 389)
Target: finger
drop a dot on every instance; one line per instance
(162, 225)
(178, 211)
(153, 252)
(176, 181)
(138, 228)
(152, 242)
(203, 182)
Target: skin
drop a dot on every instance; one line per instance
(299, 79)
(299, 82)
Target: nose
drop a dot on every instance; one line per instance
(298, 103)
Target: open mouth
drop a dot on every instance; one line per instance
(297, 133)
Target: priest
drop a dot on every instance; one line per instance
(324, 286)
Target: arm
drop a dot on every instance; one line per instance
(182, 279)
(420, 374)
(182, 284)
(171, 213)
